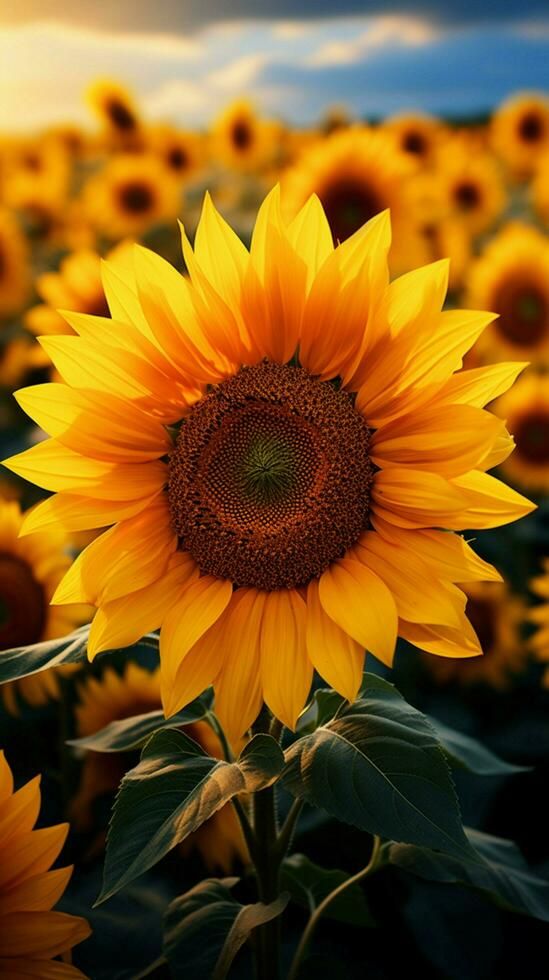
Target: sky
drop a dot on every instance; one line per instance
(185, 59)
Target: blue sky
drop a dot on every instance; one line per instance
(184, 60)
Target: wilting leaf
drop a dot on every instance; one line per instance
(205, 928)
(130, 733)
(464, 752)
(175, 788)
(380, 767)
(493, 866)
(309, 884)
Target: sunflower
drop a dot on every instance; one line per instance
(14, 265)
(416, 135)
(356, 174)
(32, 936)
(181, 151)
(468, 186)
(115, 108)
(279, 442)
(448, 238)
(539, 615)
(540, 190)
(526, 412)
(77, 286)
(37, 174)
(18, 356)
(130, 195)
(240, 140)
(496, 616)
(511, 277)
(113, 697)
(30, 570)
(520, 132)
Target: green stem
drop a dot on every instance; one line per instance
(320, 910)
(287, 830)
(267, 865)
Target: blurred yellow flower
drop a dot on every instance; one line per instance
(30, 570)
(416, 135)
(539, 615)
(511, 277)
(468, 186)
(113, 697)
(130, 195)
(520, 131)
(14, 265)
(115, 109)
(181, 151)
(526, 412)
(32, 936)
(497, 616)
(241, 140)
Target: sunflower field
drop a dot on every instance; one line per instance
(274, 559)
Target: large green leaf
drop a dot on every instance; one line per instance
(380, 767)
(464, 752)
(309, 884)
(71, 649)
(494, 866)
(175, 788)
(130, 733)
(205, 928)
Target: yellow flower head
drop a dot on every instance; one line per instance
(279, 442)
(416, 135)
(130, 195)
(497, 616)
(511, 277)
(540, 189)
(357, 173)
(114, 107)
(14, 266)
(137, 691)
(468, 185)
(520, 131)
(30, 570)
(240, 140)
(525, 409)
(539, 615)
(181, 151)
(31, 934)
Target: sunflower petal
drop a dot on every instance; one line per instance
(335, 655)
(286, 670)
(360, 604)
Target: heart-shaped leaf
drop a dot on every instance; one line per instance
(309, 884)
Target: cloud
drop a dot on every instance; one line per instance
(389, 31)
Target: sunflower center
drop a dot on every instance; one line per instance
(120, 115)
(270, 478)
(531, 127)
(22, 603)
(532, 437)
(136, 197)
(414, 142)
(242, 135)
(177, 158)
(348, 204)
(467, 195)
(482, 615)
(524, 312)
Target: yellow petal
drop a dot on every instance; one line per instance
(309, 234)
(413, 498)
(479, 386)
(41, 935)
(335, 655)
(238, 693)
(488, 502)
(447, 554)
(286, 670)
(361, 605)
(72, 512)
(19, 812)
(36, 894)
(442, 640)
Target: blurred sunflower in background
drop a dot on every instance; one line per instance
(241, 140)
(525, 409)
(136, 691)
(182, 151)
(468, 186)
(30, 570)
(254, 499)
(32, 936)
(539, 615)
(511, 277)
(497, 617)
(356, 174)
(116, 110)
(417, 135)
(14, 265)
(130, 195)
(519, 132)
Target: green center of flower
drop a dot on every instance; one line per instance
(22, 603)
(270, 478)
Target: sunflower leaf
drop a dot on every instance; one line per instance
(173, 790)
(206, 927)
(494, 866)
(380, 767)
(130, 733)
(464, 752)
(309, 884)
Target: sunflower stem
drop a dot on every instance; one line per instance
(267, 864)
(373, 864)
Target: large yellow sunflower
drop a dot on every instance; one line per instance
(284, 449)
(137, 691)
(520, 131)
(14, 266)
(525, 409)
(511, 277)
(357, 173)
(497, 616)
(30, 570)
(132, 193)
(32, 936)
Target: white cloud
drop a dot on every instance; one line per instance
(239, 73)
(388, 31)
